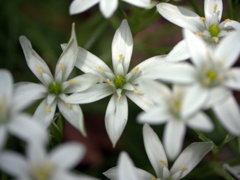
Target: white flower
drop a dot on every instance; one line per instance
(54, 90)
(119, 84)
(39, 165)
(107, 7)
(183, 165)
(169, 109)
(211, 78)
(208, 27)
(12, 119)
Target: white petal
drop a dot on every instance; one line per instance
(78, 6)
(34, 61)
(231, 24)
(201, 122)
(95, 93)
(67, 155)
(44, 113)
(154, 150)
(3, 136)
(212, 7)
(179, 52)
(156, 115)
(116, 117)
(80, 83)
(89, 63)
(73, 114)
(140, 3)
(197, 48)
(36, 152)
(26, 93)
(6, 85)
(108, 7)
(66, 175)
(195, 98)
(180, 16)
(122, 46)
(190, 157)
(234, 81)
(24, 127)
(228, 113)
(173, 137)
(13, 164)
(229, 49)
(67, 59)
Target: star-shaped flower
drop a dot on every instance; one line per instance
(183, 165)
(54, 89)
(107, 7)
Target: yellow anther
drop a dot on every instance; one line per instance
(215, 8)
(119, 97)
(137, 92)
(68, 105)
(62, 66)
(136, 70)
(47, 109)
(203, 18)
(109, 82)
(183, 168)
(100, 69)
(199, 34)
(178, 105)
(39, 69)
(153, 178)
(216, 39)
(227, 20)
(120, 58)
(72, 81)
(163, 162)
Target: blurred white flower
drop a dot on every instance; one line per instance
(208, 27)
(120, 84)
(170, 109)
(39, 165)
(183, 165)
(106, 7)
(12, 119)
(54, 90)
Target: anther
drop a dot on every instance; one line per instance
(72, 81)
(109, 82)
(137, 92)
(100, 69)
(120, 58)
(39, 69)
(183, 168)
(47, 109)
(119, 97)
(227, 20)
(68, 105)
(136, 70)
(199, 34)
(216, 39)
(62, 66)
(215, 8)
(163, 162)
(203, 19)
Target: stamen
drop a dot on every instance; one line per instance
(137, 92)
(73, 82)
(163, 162)
(100, 69)
(68, 105)
(119, 97)
(208, 56)
(39, 69)
(62, 66)
(199, 34)
(153, 178)
(216, 39)
(231, 74)
(120, 58)
(47, 109)
(221, 63)
(227, 20)
(136, 70)
(203, 19)
(215, 8)
(183, 168)
(109, 82)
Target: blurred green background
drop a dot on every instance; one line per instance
(47, 24)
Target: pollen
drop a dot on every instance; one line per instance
(119, 97)
(199, 34)
(68, 105)
(109, 82)
(62, 66)
(120, 58)
(47, 109)
(136, 70)
(163, 162)
(40, 69)
(183, 168)
(227, 20)
(215, 8)
(216, 39)
(100, 69)
(137, 92)
(203, 19)
(73, 82)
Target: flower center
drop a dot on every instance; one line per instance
(119, 81)
(55, 88)
(214, 30)
(175, 104)
(211, 78)
(42, 172)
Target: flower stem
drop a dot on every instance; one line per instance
(230, 9)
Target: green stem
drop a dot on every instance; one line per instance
(230, 9)
(122, 12)
(195, 7)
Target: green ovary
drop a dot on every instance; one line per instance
(119, 81)
(214, 30)
(42, 172)
(55, 88)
